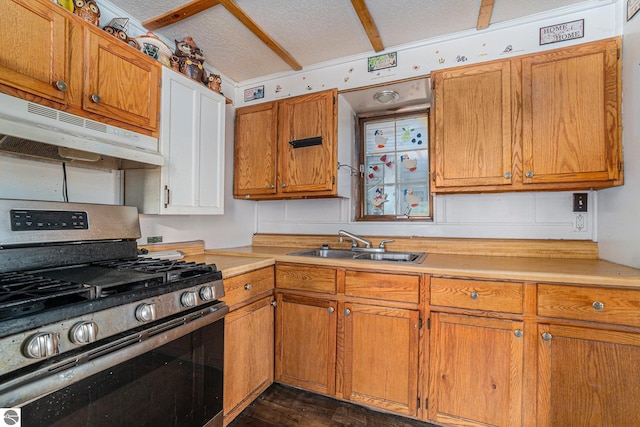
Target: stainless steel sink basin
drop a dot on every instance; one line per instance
(404, 257)
(386, 256)
(326, 253)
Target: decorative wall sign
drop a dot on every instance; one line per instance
(632, 8)
(562, 32)
(253, 93)
(380, 62)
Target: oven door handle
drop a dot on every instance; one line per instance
(47, 379)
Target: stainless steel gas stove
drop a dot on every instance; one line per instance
(82, 315)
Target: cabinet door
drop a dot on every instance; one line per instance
(248, 358)
(301, 167)
(571, 114)
(381, 357)
(192, 142)
(476, 371)
(471, 118)
(306, 342)
(34, 53)
(120, 83)
(587, 377)
(255, 150)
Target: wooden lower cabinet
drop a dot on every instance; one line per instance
(248, 355)
(587, 377)
(381, 357)
(476, 371)
(306, 342)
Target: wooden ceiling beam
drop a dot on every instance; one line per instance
(367, 23)
(484, 16)
(178, 14)
(260, 33)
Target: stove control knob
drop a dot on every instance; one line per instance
(83, 333)
(39, 346)
(207, 293)
(189, 299)
(146, 312)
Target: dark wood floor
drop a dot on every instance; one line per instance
(285, 406)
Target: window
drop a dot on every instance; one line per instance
(394, 166)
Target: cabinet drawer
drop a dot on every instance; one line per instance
(305, 278)
(505, 297)
(390, 287)
(245, 286)
(620, 306)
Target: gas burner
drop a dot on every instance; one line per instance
(173, 269)
(22, 293)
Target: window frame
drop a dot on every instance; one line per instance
(361, 121)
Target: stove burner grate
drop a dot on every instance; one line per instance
(174, 269)
(22, 292)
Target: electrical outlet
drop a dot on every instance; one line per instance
(579, 202)
(580, 222)
(154, 239)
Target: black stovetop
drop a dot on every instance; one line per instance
(41, 291)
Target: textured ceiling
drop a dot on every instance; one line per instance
(313, 31)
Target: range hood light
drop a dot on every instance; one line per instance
(386, 96)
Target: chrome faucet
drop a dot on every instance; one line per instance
(354, 239)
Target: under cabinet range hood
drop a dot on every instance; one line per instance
(32, 129)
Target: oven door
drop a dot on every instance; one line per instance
(168, 374)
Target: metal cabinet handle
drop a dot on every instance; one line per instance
(60, 85)
(347, 312)
(507, 175)
(474, 295)
(331, 309)
(283, 185)
(529, 174)
(546, 336)
(518, 333)
(274, 303)
(248, 286)
(272, 186)
(598, 305)
(96, 98)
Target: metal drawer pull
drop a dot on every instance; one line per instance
(507, 175)
(347, 312)
(474, 295)
(331, 309)
(598, 305)
(96, 98)
(546, 336)
(517, 333)
(248, 286)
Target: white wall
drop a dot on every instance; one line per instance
(26, 179)
(618, 208)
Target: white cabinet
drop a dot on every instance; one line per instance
(192, 143)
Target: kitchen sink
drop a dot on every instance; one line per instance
(408, 257)
(390, 256)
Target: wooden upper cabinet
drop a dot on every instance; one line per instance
(570, 101)
(120, 83)
(472, 121)
(302, 167)
(255, 150)
(547, 121)
(288, 148)
(35, 52)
